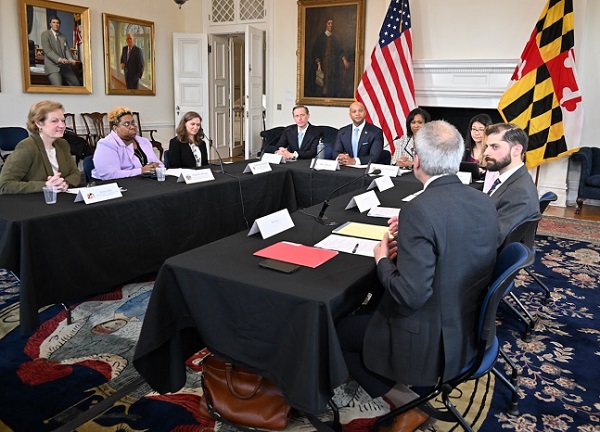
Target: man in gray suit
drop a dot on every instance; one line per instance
(434, 276)
(58, 59)
(513, 192)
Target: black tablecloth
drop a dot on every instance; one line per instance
(281, 325)
(69, 250)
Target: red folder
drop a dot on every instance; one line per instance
(295, 253)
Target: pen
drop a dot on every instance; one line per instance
(355, 248)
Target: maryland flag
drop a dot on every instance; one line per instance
(544, 98)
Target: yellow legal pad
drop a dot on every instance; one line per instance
(362, 230)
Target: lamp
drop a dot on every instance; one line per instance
(180, 2)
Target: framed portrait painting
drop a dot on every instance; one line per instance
(128, 55)
(331, 43)
(55, 47)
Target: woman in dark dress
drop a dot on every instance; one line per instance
(188, 149)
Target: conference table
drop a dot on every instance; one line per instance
(69, 250)
(280, 325)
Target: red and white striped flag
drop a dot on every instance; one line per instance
(387, 87)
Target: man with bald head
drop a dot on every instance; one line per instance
(360, 142)
(132, 63)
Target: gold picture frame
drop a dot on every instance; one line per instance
(122, 66)
(52, 63)
(330, 65)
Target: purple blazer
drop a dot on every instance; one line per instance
(113, 159)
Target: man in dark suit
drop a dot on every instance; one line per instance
(58, 59)
(132, 63)
(513, 192)
(434, 277)
(300, 140)
(360, 142)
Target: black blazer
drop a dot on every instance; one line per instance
(310, 141)
(181, 156)
(424, 325)
(370, 143)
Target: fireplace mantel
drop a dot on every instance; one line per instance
(461, 83)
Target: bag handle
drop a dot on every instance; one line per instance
(231, 386)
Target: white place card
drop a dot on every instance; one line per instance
(364, 201)
(325, 165)
(384, 212)
(195, 176)
(90, 195)
(412, 196)
(272, 158)
(465, 177)
(382, 183)
(272, 224)
(386, 170)
(258, 167)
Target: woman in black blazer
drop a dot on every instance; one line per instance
(188, 149)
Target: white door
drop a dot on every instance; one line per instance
(190, 76)
(254, 90)
(220, 94)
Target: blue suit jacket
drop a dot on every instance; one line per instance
(310, 141)
(370, 143)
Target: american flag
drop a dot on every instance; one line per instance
(77, 38)
(387, 88)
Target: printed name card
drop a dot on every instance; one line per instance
(464, 177)
(272, 224)
(258, 167)
(272, 158)
(386, 170)
(95, 194)
(382, 183)
(325, 165)
(364, 201)
(195, 176)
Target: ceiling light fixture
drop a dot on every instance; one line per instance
(180, 2)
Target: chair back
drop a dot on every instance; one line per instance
(95, 126)
(524, 232)
(546, 199)
(70, 122)
(9, 138)
(270, 138)
(166, 159)
(88, 166)
(329, 135)
(142, 131)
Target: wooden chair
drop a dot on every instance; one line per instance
(141, 130)
(94, 126)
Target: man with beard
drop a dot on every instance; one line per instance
(513, 192)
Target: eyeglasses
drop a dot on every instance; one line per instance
(129, 124)
(477, 130)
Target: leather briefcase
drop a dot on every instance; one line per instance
(236, 395)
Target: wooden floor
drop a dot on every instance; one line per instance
(588, 212)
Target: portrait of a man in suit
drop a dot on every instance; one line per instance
(58, 59)
(132, 63)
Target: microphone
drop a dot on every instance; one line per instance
(322, 219)
(210, 143)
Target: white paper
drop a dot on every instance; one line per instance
(90, 195)
(464, 177)
(272, 224)
(364, 201)
(416, 194)
(272, 158)
(383, 212)
(195, 176)
(258, 167)
(350, 245)
(404, 171)
(382, 183)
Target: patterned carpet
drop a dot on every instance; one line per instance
(71, 371)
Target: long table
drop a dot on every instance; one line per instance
(67, 251)
(281, 325)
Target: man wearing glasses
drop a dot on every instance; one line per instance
(123, 153)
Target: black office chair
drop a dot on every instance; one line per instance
(9, 138)
(511, 260)
(546, 199)
(166, 159)
(329, 136)
(270, 138)
(88, 166)
(385, 158)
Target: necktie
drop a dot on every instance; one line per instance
(355, 143)
(128, 52)
(494, 186)
(300, 136)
